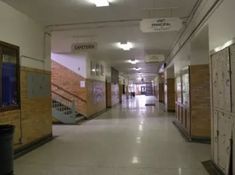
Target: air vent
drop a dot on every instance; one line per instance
(154, 58)
(84, 46)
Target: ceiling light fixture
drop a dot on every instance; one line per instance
(137, 68)
(125, 46)
(100, 3)
(133, 61)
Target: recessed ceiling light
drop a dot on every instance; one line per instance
(133, 61)
(100, 3)
(125, 46)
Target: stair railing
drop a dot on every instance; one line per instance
(66, 97)
(67, 104)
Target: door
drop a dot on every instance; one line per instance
(143, 90)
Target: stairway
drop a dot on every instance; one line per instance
(64, 107)
(65, 114)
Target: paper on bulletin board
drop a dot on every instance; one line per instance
(82, 84)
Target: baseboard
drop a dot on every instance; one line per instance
(32, 146)
(97, 114)
(188, 138)
(171, 110)
(212, 168)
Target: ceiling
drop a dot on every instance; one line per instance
(78, 20)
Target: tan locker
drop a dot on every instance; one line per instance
(215, 79)
(226, 80)
(225, 125)
(232, 51)
(220, 84)
(215, 138)
(221, 80)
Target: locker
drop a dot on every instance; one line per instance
(232, 58)
(225, 124)
(221, 80)
(223, 92)
(226, 81)
(215, 79)
(215, 138)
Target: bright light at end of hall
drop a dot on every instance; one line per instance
(125, 46)
(100, 3)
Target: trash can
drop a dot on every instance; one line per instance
(6, 149)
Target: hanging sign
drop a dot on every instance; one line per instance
(160, 25)
(84, 46)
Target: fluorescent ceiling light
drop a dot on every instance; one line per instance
(133, 61)
(125, 46)
(100, 3)
(137, 68)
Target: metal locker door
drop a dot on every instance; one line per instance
(232, 59)
(226, 80)
(225, 124)
(215, 136)
(220, 71)
(215, 79)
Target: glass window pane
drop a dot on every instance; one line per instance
(9, 77)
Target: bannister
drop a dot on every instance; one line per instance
(63, 105)
(70, 93)
(67, 99)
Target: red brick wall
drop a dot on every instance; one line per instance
(70, 81)
(92, 95)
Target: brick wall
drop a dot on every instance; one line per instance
(170, 106)
(200, 100)
(35, 114)
(92, 95)
(70, 81)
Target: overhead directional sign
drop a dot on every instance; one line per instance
(160, 25)
(84, 46)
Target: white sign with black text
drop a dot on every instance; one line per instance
(160, 25)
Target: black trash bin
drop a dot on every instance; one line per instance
(6, 149)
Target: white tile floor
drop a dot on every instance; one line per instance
(127, 140)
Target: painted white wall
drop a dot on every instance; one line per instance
(183, 58)
(200, 48)
(75, 63)
(18, 29)
(107, 68)
(222, 24)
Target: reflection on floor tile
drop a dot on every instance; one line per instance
(128, 139)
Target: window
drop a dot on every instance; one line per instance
(9, 76)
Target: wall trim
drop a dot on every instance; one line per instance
(32, 146)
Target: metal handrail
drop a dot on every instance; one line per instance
(70, 93)
(64, 104)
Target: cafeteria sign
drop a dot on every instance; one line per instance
(160, 25)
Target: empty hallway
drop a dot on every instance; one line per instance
(129, 139)
(117, 87)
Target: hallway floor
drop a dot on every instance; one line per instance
(129, 139)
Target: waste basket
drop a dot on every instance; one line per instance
(6, 149)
